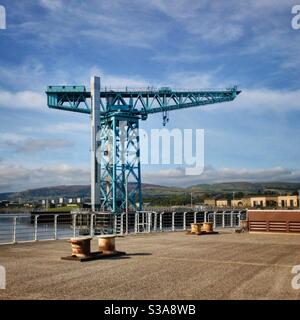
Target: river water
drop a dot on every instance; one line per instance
(25, 230)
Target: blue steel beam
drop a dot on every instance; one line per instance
(144, 102)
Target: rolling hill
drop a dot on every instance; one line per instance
(152, 191)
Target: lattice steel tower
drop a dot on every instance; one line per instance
(115, 149)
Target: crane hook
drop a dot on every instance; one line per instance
(165, 118)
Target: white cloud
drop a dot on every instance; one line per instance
(190, 80)
(22, 100)
(34, 145)
(222, 21)
(18, 76)
(60, 127)
(128, 23)
(37, 100)
(11, 137)
(139, 23)
(205, 19)
(51, 4)
(23, 144)
(116, 81)
(18, 177)
(253, 27)
(259, 100)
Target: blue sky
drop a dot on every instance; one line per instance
(182, 44)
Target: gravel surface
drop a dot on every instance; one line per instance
(158, 266)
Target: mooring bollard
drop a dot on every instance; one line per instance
(106, 243)
(81, 246)
(244, 225)
(196, 228)
(207, 227)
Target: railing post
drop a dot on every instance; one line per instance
(231, 219)
(74, 225)
(161, 221)
(136, 222)
(36, 227)
(173, 221)
(155, 221)
(92, 225)
(223, 219)
(214, 219)
(55, 226)
(122, 220)
(115, 224)
(14, 230)
(149, 214)
(127, 230)
(184, 221)
(205, 216)
(195, 217)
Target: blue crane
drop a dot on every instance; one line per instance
(115, 149)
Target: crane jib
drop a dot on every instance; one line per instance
(137, 102)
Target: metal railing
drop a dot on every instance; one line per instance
(160, 89)
(48, 226)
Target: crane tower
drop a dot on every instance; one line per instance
(115, 147)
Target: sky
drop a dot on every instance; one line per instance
(137, 43)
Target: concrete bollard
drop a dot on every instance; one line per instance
(196, 228)
(81, 247)
(106, 243)
(207, 227)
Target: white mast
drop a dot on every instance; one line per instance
(95, 126)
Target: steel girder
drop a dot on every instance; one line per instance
(143, 102)
(119, 158)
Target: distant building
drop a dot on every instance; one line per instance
(259, 201)
(223, 203)
(210, 202)
(78, 200)
(242, 202)
(288, 201)
(263, 201)
(61, 200)
(70, 200)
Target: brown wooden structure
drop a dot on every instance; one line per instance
(274, 221)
